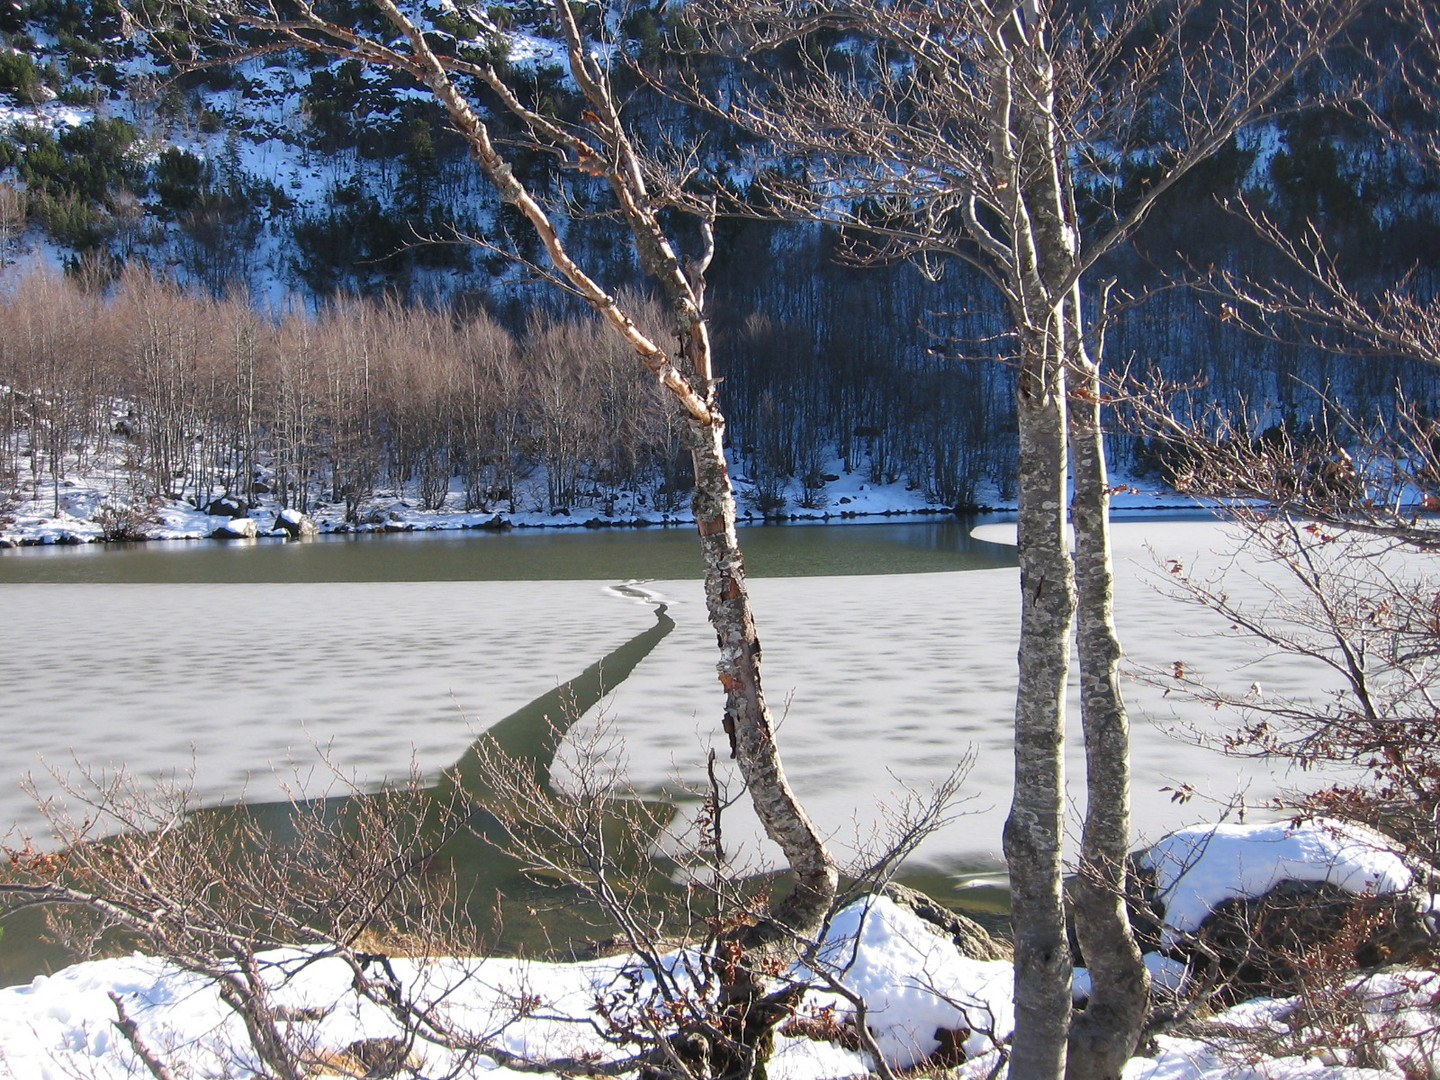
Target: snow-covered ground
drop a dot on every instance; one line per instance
(81, 499)
(914, 984)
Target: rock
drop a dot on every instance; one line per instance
(1336, 900)
(237, 529)
(294, 524)
(970, 938)
(1270, 944)
(388, 517)
(227, 506)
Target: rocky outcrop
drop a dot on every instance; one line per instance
(1270, 945)
(1260, 909)
(970, 938)
(389, 518)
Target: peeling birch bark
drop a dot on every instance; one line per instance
(747, 717)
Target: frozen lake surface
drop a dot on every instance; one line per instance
(883, 681)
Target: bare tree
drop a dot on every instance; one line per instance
(1393, 318)
(216, 892)
(975, 130)
(600, 146)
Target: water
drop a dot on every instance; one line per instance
(242, 666)
(804, 550)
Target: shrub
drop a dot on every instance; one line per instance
(20, 75)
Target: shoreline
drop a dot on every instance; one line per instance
(180, 521)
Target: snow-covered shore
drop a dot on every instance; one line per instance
(917, 989)
(83, 505)
(84, 502)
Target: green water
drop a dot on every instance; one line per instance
(890, 547)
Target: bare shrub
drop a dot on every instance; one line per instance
(244, 897)
(707, 997)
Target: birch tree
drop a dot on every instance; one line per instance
(977, 130)
(600, 146)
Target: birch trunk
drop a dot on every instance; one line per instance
(747, 717)
(1034, 829)
(1104, 1035)
(1029, 159)
(747, 720)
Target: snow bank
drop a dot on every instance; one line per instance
(914, 983)
(61, 1026)
(1200, 868)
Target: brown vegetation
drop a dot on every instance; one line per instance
(360, 396)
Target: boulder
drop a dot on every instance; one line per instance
(1258, 909)
(388, 518)
(294, 524)
(1269, 945)
(495, 524)
(237, 529)
(970, 938)
(229, 506)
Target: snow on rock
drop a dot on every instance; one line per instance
(292, 523)
(1199, 868)
(237, 529)
(914, 983)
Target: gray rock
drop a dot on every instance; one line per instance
(294, 524)
(970, 938)
(237, 529)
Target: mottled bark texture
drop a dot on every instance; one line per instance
(1034, 828)
(1104, 1035)
(1028, 156)
(747, 717)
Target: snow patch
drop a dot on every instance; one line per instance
(1200, 868)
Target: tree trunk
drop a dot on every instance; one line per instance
(1030, 160)
(1034, 829)
(747, 718)
(1104, 1036)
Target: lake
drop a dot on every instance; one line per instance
(889, 656)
